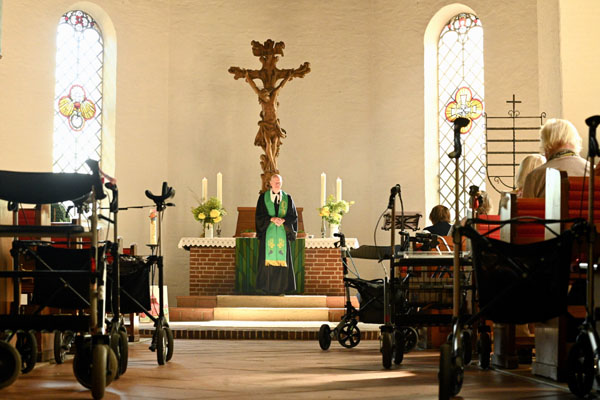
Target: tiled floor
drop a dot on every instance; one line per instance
(272, 369)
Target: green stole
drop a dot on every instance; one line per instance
(275, 237)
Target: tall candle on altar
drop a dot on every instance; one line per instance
(323, 189)
(204, 189)
(338, 189)
(220, 187)
(153, 227)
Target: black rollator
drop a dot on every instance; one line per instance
(451, 370)
(583, 362)
(134, 281)
(162, 340)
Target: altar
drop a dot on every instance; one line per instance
(225, 266)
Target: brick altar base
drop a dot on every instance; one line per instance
(212, 271)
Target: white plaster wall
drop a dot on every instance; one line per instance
(181, 116)
(550, 78)
(27, 82)
(357, 115)
(580, 57)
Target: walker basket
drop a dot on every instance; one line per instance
(135, 284)
(521, 283)
(52, 290)
(370, 298)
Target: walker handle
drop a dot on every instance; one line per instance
(167, 193)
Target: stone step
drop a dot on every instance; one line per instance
(191, 314)
(271, 314)
(263, 301)
(208, 314)
(249, 330)
(197, 301)
(260, 308)
(272, 301)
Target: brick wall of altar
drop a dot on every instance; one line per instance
(212, 271)
(323, 272)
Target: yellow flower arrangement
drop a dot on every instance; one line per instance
(209, 212)
(333, 211)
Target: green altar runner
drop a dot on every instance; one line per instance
(246, 261)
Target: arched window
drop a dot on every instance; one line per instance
(78, 92)
(461, 94)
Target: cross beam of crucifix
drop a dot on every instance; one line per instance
(270, 133)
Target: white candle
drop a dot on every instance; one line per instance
(323, 189)
(204, 188)
(153, 233)
(220, 187)
(338, 189)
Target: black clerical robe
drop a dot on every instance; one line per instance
(275, 279)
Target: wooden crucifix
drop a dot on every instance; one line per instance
(270, 133)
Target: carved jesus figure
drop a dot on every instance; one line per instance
(270, 134)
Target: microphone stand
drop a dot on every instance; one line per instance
(583, 361)
(452, 370)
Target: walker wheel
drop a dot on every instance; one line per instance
(399, 346)
(27, 347)
(458, 373)
(162, 345)
(119, 346)
(62, 345)
(386, 349)
(349, 335)
(467, 347)
(170, 343)
(445, 372)
(324, 337)
(484, 348)
(411, 337)
(10, 364)
(580, 367)
(85, 365)
(98, 370)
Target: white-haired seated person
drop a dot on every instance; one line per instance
(561, 144)
(527, 165)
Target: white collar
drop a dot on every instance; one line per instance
(274, 195)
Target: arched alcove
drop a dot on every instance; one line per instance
(430, 109)
(109, 81)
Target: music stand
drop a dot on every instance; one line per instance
(411, 220)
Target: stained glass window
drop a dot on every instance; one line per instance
(78, 92)
(461, 94)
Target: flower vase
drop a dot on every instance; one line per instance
(333, 229)
(208, 231)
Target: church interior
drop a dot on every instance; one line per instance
(366, 102)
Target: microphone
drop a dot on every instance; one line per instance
(593, 123)
(393, 192)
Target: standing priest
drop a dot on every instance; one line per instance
(276, 228)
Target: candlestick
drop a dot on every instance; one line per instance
(153, 236)
(323, 189)
(204, 189)
(338, 189)
(220, 187)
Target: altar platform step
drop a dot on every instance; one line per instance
(259, 308)
(254, 330)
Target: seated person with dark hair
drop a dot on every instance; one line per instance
(440, 218)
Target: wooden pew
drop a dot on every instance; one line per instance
(566, 197)
(506, 344)
(484, 228)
